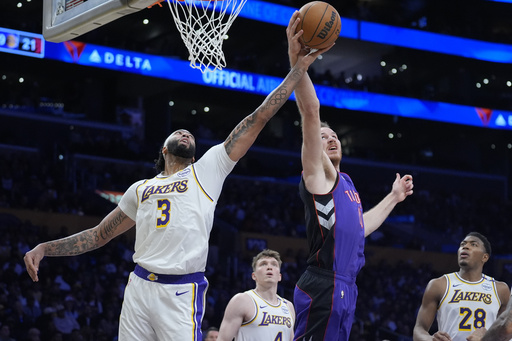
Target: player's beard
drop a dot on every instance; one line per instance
(180, 150)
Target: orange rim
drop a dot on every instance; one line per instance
(158, 2)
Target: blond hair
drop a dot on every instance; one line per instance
(266, 254)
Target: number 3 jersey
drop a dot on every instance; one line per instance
(466, 306)
(270, 322)
(174, 214)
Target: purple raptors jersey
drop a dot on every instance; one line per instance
(335, 227)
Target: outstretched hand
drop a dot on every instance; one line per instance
(402, 187)
(295, 49)
(32, 260)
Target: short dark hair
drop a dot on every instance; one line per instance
(487, 245)
(266, 254)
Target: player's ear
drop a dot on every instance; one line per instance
(253, 276)
(193, 159)
(485, 257)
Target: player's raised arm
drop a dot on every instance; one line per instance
(246, 132)
(114, 224)
(318, 171)
(401, 189)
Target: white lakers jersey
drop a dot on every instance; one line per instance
(174, 214)
(467, 305)
(271, 322)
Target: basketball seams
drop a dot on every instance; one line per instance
(315, 24)
(320, 23)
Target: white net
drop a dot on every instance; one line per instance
(203, 26)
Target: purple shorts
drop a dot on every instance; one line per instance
(325, 304)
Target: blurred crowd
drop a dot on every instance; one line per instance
(79, 298)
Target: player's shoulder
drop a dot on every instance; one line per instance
(215, 149)
(442, 279)
(243, 297)
(501, 286)
(438, 284)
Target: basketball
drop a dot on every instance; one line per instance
(321, 24)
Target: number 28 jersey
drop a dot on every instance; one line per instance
(467, 305)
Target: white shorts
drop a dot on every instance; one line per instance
(163, 308)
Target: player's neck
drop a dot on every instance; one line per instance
(174, 164)
(268, 294)
(470, 275)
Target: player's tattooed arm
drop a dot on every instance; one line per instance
(111, 226)
(239, 131)
(246, 132)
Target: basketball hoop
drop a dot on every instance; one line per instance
(203, 26)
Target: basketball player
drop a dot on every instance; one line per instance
(325, 295)
(173, 214)
(463, 300)
(260, 314)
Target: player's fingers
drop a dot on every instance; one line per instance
(407, 177)
(294, 21)
(442, 336)
(32, 266)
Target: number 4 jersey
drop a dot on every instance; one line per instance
(467, 305)
(270, 322)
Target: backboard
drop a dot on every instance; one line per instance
(67, 19)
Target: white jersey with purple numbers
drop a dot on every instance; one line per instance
(467, 305)
(270, 322)
(174, 214)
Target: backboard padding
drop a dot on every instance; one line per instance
(60, 25)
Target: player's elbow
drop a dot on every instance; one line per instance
(418, 332)
(311, 107)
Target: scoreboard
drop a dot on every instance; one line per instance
(23, 43)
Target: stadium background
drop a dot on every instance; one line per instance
(73, 136)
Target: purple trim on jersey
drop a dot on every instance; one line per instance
(137, 194)
(199, 184)
(167, 279)
(200, 289)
